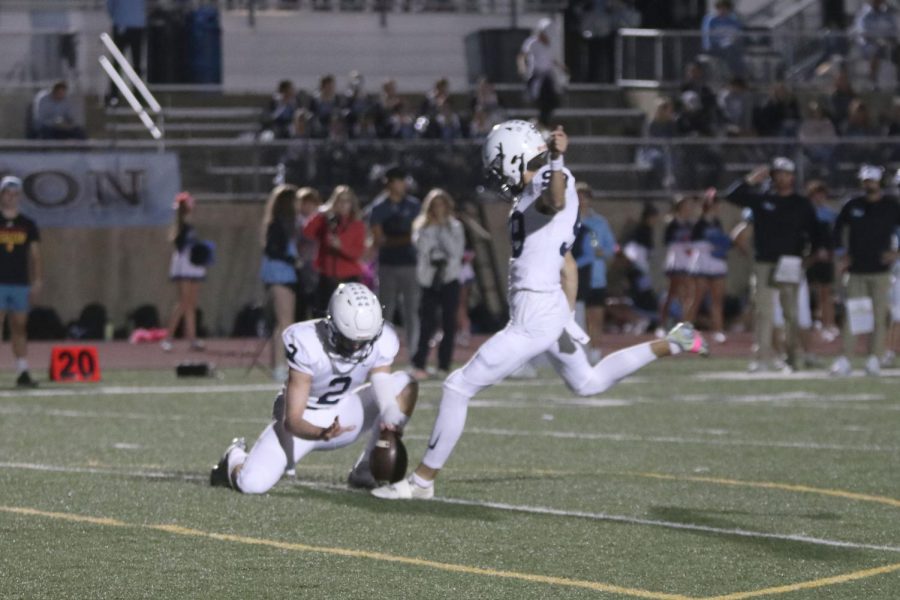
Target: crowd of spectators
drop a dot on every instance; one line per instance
(356, 114)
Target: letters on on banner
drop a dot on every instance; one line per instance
(109, 189)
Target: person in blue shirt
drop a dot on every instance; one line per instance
(129, 24)
(721, 31)
(594, 249)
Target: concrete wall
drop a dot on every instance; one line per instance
(415, 49)
(124, 268)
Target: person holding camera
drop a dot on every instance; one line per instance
(187, 270)
(440, 241)
(341, 235)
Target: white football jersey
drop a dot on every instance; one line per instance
(540, 241)
(333, 378)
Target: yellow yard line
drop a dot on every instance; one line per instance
(774, 486)
(351, 553)
(809, 585)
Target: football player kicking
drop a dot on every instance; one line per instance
(542, 285)
(326, 403)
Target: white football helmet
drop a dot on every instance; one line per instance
(354, 321)
(508, 149)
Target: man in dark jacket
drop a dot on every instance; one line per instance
(870, 220)
(784, 228)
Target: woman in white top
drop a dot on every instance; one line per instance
(440, 242)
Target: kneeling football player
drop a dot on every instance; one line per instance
(326, 402)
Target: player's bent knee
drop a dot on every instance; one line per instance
(593, 385)
(247, 483)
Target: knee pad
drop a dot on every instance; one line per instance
(248, 484)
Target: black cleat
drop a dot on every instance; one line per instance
(25, 381)
(218, 476)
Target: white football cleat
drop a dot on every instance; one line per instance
(840, 367)
(873, 366)
(403, 490)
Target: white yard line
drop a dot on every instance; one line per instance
(119, 390)
(526, 509)
(624, 437)
(807, 375)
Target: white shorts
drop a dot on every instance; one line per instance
(804, 310)
(536, 320)
(704, 264)
(181, 267)
(268, 458)
(679, 257)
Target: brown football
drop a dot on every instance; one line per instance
(388, 461)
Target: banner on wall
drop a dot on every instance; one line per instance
(109, 189)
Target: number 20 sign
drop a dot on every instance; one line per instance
(74, 363)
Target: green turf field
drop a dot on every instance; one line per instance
(668, 486)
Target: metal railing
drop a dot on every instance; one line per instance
(653, 58)
(416, 6)
(234, 170)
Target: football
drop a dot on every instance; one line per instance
(388, 461)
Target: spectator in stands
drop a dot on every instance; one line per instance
(784, 225)
(186, 275)
(818, 136)
(594, 249)
(341, 235)
(736, 108)
(280, 111)
(436, 97)
(697, 165)
(870, 220)
(129, 24)
(876, 29)
(401, 124)
(709, 265)
(21, 272)
(893, 129)
(391, 216)
(839, 100)
(308, 201)
(54, 115)
(386, 106)
(695, 81)
(656, 157)
(356, 103)
(679, 251)
(779, 116)
(324, 105)
(820, 271)
(445, 124)
(279, 263)
(860, 125)
(480, 124)
(721, 31)
(299, 128)
(537, 65)
(440, 242)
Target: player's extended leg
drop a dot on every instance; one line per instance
(406, 390)
(570, 360)
(535, 323)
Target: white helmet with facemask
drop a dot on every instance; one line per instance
(508, 150)
(354, 321)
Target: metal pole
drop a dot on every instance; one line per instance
(130, 72)
(130, 98)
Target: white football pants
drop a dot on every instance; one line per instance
(538, 323)
(275, 449)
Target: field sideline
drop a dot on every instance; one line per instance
(688, 481)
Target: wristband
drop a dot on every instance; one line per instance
(556, 164)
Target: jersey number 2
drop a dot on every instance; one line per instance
(341, 383)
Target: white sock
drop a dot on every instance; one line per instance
(616, 366)
(448, 428)
(236, 457)
(21, 365)
(419, 481)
